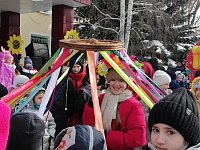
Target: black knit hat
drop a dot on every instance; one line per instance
(82, 137)
(178, 110)
(26, 132)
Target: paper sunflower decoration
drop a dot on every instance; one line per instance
(15, 44)
(72, 34)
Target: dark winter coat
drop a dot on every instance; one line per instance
(63, 107)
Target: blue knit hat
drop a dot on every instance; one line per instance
(27, 60)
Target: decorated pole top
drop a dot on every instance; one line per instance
(91, 44)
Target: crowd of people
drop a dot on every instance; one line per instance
(69, 124)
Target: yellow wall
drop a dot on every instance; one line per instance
(37, 23)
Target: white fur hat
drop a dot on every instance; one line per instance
(20, 79)
(160, 77)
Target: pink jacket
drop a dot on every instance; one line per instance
(7, 73)
(133, 126)
(5, 113)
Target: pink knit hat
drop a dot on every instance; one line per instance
(5, 113)
(8, 55)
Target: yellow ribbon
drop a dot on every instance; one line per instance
(127, 79)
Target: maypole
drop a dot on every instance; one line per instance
(90, 46)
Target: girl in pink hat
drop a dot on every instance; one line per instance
(7, 71)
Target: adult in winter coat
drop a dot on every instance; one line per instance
(62, 108)
(174, 123)
(122, 115)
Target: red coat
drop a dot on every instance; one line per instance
(133, 125)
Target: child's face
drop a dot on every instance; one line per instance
(9, 61)
(197, 93)
(117, 86)
(164, 87)
(179, 78)
(38, 98)
(164, 137)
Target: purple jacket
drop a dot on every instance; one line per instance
(7, 73)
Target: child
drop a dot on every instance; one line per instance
(162, 79)
(123, 116)
(174, 123)
(180, 79)
(27, 69)
(7, 72)
(48, 120)
(77, 75)
(26, 132)
(79, 137)
(196, 91)
(19, 80)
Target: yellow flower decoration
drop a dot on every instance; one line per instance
(102, 69)
(72, 34)
(15, 44)
(118, 62)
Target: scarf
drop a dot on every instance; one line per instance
(109, 106)
(87, 89)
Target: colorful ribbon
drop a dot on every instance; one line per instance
(127, 79)
(97, 111)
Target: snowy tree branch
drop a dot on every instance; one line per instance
(107, 15)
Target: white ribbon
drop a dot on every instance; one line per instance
(49, 90)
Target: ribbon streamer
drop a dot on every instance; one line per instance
(97, 112)
(49, 90)
(142, 75)
(32, 94)
(126, 78)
